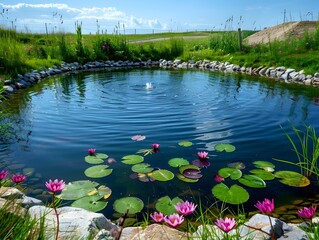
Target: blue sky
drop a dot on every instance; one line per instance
(147, 16)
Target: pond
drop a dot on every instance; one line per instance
(59, 119)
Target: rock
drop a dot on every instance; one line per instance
(75, 223)
(11, 192)
(154, 232)
(28, 202)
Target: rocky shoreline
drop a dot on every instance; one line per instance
(278, 73)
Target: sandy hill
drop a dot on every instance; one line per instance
(281, 32)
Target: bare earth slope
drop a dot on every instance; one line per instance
(281, 32)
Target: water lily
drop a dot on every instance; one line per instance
(55, 186)
(3, 174)
(174, 220)
(307, 212)
(202, 155)
(185, 208)
(18, 178)
(138, 138)
(155, 147)
(157, 217)
(226, 224)
(91, 151)
(218, 178)
(266, 206)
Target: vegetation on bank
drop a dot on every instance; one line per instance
(21, 52)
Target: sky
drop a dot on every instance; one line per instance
(151, 16)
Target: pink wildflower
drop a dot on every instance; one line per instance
(306, 212)
(266, 206)
(185, 208)
(18, 178)
(174, 220)
(55, 186)
(226, 225)
(3, 174)
(202, 155)
(157, 217)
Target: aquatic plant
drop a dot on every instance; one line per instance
(226, 225)
(18, 178)
(174, 220)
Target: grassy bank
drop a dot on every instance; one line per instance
(21, 52)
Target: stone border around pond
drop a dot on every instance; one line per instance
(278, 73)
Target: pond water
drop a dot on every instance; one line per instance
(57, 120)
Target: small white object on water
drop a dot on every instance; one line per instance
(148, 85)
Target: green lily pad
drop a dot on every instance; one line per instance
(252, 181)
(264, 164)
(233, 195)
(98, 171)
(132, 159)
(104, 191)
(225, 147)
(293, 179)
(142, 168)
(190, 166)
(185, 143)
(101, 155)
(128, 205)
(178, 162)
(90, 203)
(233, 173)
(185, 179)
(264, 175)
(93, 159)
(77, 189)
(166, 205)
(162, 175)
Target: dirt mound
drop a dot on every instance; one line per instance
(281, 32)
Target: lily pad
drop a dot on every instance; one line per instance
(192, 174)
(233, 195)
(225, 147)
(238, 165)
(77, 189)
(178, 162)
(93, 159)
(185, 143)
(264, 175)
(293, 179)
(90, 203)
(142, 168)
(104, 191)
(252, 181)
(162, 175)
(166, 205)
(98, 171)
(264, 164)
(128, 205)
(201, 163)
(190, 166)
(145, 177)
(185, 179)
(233, 173)
(132, 159)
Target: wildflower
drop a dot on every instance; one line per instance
(218, 178)
(157, 217)
(18, 178)
(55, 186)
(202, 155)
(226, 224)
(3, 174)
(306, 212)
(174, 220)
(185, 208)
(91, 151)
(266, 206)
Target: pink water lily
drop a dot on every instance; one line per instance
(307, 212)
(174, 220)
(226, 224)
(138, 138)
(18, 178)
(91, 151)
(3, 174)
(202, 155)
(185, 208)
(55, 186)
(155, 146)
(266, 206)
(157, 217)
(218, 178)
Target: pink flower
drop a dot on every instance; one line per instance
(91, 151)
(157, 217)
(185, 208)
(226, 225)
(155, 147)
(218, 178)
(174, 220)
(266, 206)
(18, 178)
(3, 174)
(55, 186)
(307, 213)
(202, 155)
